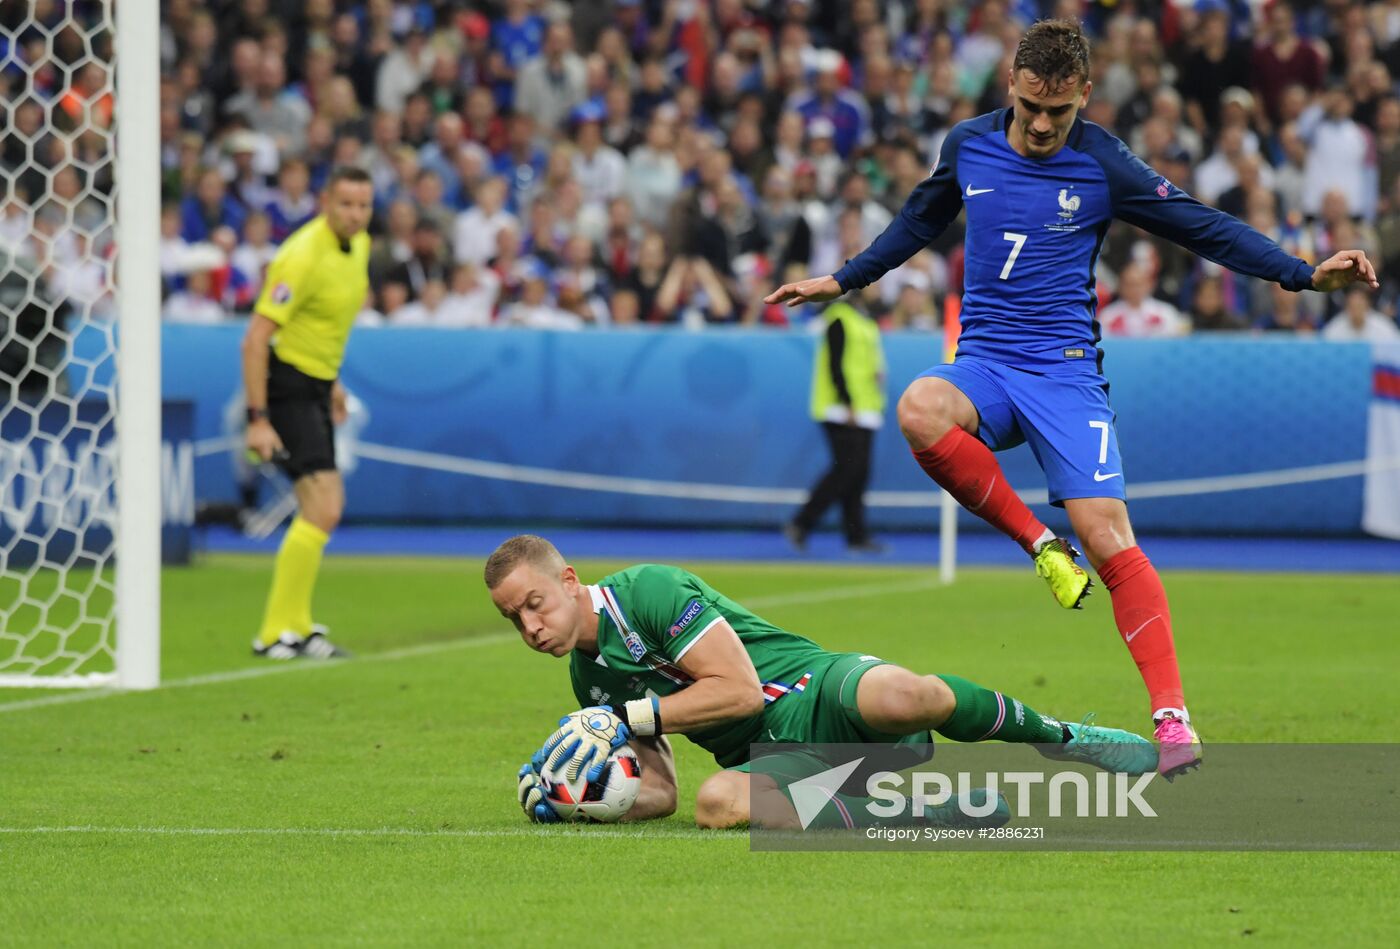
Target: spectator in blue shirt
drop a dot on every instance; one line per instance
(846, 111)
(208, 208)
(294, 203)
(518, 37)
(440, 155)
(521, 163)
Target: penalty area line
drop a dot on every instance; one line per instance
(428, 649)
(853, 592)
(271, 668)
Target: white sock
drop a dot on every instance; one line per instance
(1180, 713)
(1045, 538)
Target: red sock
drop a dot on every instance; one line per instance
(1145, 622)
(967, 469)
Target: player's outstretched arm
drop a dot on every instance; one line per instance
(811, 290)
(657, 798)
(1141, 196)
(927, 212)
(1344, 268)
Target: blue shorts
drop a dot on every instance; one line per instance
(1065, 418)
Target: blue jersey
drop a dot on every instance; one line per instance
(1034, 229)
(519, 42)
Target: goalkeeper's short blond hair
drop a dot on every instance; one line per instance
(522, 548)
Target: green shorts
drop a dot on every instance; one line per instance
(832, 719)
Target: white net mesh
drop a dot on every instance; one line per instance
(57, 344)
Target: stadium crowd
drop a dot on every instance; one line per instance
(613, 162)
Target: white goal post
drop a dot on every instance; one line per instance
(138, 352)
(80, 404)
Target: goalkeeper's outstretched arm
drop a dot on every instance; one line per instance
(657, 798)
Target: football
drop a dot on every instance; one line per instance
(605, 800)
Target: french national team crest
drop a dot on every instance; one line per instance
(1069, 203)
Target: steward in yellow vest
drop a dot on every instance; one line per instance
(848, 399)
(848, 380)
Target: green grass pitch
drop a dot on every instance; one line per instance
(372, 801)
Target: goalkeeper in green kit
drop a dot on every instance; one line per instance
(661, 652)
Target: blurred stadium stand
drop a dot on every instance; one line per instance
(572, 157)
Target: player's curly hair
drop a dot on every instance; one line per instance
(1056, 52)
(522, 548)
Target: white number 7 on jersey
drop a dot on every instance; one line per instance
(1017, 240)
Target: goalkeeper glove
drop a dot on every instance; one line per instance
(583, 743)
(532, 800)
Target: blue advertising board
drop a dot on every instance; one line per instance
(711, 428)
(58, 483)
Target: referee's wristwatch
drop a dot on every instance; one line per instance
(256, 415)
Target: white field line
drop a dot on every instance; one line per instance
(551, 833)
(271, 668)
(854, 591)
(427, 649)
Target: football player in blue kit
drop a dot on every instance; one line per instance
(1040, 187)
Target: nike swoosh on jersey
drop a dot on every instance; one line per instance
(1098, 476)
(973, 192)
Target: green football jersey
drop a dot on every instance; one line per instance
(650, 615)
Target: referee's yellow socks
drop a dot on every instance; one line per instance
(293, 581)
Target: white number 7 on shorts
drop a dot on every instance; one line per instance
(1103, 440)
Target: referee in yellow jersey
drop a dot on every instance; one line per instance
(291, 360)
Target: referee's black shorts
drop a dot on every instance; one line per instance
(299, 408)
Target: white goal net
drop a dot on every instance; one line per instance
(64, 432)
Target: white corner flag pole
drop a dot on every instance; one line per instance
(947, 538)
(138, 345)
(947, 507)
